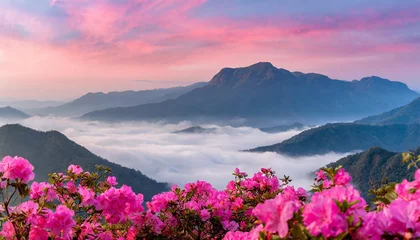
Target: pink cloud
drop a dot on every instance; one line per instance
(154, 39)
(20, 24)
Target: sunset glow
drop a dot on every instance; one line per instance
(61, 49)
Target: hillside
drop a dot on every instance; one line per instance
(11, 113)
(347, 137)
(196, 129)
(373, 165)
(99, 101)
(283, 128)
(25, 105)
(407, 114)
(53, 152)
(262, 92)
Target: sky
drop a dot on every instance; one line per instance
(61, 49)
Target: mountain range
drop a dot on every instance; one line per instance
(372, 166)
(283, 128)
(12, 113)
(52, 152)
(408, 114)
(262, 92)
(347, 137)
(99, 100)
(196, 129)
(27, 105)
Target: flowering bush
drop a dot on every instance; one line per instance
(88, 205)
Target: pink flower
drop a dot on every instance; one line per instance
(8, 230)
(119, 205)
(61, 222)
(301, 192)
(17, 168)
(204, 214)
(342, 177)
(239, 173)
(71, 187)
(320, 176)
(156, 224)
(37, 233)
(88, 228)
(238, 203)
(76, 169)
(42, 189)
(160, 201)
(112, 181)
(252, 235)
(88, 196)
(373, 226)
(230, 225)
(322, 216)
(404, 190)
(327, 184)
(193, 205)
(274, 184)
(403, 216)
(276, 213)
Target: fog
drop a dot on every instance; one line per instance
(153, 149)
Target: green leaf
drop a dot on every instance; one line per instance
(341, 236)
(262, 236)
(298, 232)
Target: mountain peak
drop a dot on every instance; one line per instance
(374, 78)
(252, 75)
(262, 66)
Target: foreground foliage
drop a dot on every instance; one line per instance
(88, 205)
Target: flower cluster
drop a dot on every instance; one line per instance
(88, 205)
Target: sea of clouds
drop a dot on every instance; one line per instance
(159, 153)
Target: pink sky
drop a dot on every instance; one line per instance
(64, 48)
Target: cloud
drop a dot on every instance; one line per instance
(106, 44)
(180, 158)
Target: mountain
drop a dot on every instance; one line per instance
(261, 91)
(11, 113)
(53, 152)
(347, 137)
(407, 114)
(196, 129)
(283, 128)
(98, 101)
(372, 166)
(29, 104)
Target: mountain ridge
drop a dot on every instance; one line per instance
(261, 90)
(372, 166)
(347, 137)
(407, 114)
(52, 151)
(93, 101)
(12, 113)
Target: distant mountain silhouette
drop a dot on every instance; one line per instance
(347, 137)
(372, 166)
(11, 113)
(27, 105)
(53, 152)
(98, 101)
(283, 128)
(196, 129)
(407, 114)
(262, 91)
